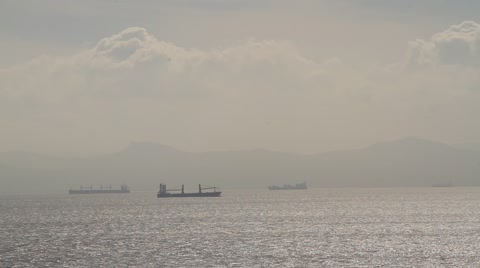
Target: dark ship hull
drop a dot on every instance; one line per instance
(209, 194)
(167, 193)
(99, 191)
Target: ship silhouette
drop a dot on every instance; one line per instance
(164, 192)
(103, 190)
(298, 186)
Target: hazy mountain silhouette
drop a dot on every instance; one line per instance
(468, 146)
(406, 162)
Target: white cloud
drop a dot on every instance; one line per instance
(458, 45)
(133, 61)
(132, 86)
(131, 76)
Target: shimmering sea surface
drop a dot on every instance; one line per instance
(408, 227)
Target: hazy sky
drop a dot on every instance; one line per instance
(87, 77)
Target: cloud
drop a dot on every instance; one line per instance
(131, 78)
(258, 93)
(132, 47)
(459, 45)
(133, 63)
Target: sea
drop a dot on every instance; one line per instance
(335, 227)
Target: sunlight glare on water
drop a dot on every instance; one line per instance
(433, 227)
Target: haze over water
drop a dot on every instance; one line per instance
(403, 227)
(240, 94)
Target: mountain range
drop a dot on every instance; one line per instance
(409, 162)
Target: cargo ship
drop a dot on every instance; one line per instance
(103, 190)
(164, 192)
(298, 186)
(442, 184)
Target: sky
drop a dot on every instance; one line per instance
(90, 77)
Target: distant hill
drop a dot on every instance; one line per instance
(468, 146)
(406, 162)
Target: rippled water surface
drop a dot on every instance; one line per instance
(420, 227)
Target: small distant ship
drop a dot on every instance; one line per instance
(442, 184)
(163, 192)
(103, 190)
(298, 186)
